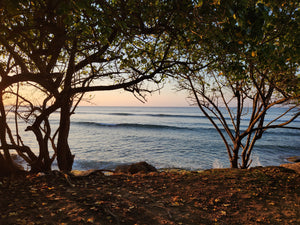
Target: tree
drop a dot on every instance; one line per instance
(64, 49)
(250, 54)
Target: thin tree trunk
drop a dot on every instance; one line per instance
(43, 162)
(64, 157)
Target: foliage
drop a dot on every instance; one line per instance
(251, 51)
(63, 49)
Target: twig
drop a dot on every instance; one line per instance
(106, 209)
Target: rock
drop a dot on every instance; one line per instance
(82, 173)
(142, 167)
(294, 159)
(41, 174)
(292, 166)
(86, 173)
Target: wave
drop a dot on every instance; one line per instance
(145, 114)
(86, 164)
(266, 120)
(163, 115)
(281, 132)
(120, 114)
(175, 116)
(156, 115)
(269, 148)
(132, 125)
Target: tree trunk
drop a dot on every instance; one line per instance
(245, 160)
(234, 161)
(6, 161)
(235, 156)
(43, 162)
(64, 157)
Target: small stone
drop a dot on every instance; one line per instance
(82, 173)
(41, 174)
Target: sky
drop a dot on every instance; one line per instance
(167, 97)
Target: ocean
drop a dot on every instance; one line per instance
(166, 137)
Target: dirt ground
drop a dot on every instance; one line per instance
(269, 195)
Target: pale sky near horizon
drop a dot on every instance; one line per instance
(167, 97)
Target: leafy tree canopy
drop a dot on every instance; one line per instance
(263, 35)
(67, 48)
(248, 53)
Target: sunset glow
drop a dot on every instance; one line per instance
(165, 98)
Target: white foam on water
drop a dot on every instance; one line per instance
(217, 164)
(255, 161)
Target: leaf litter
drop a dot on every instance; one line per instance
(263, 195)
